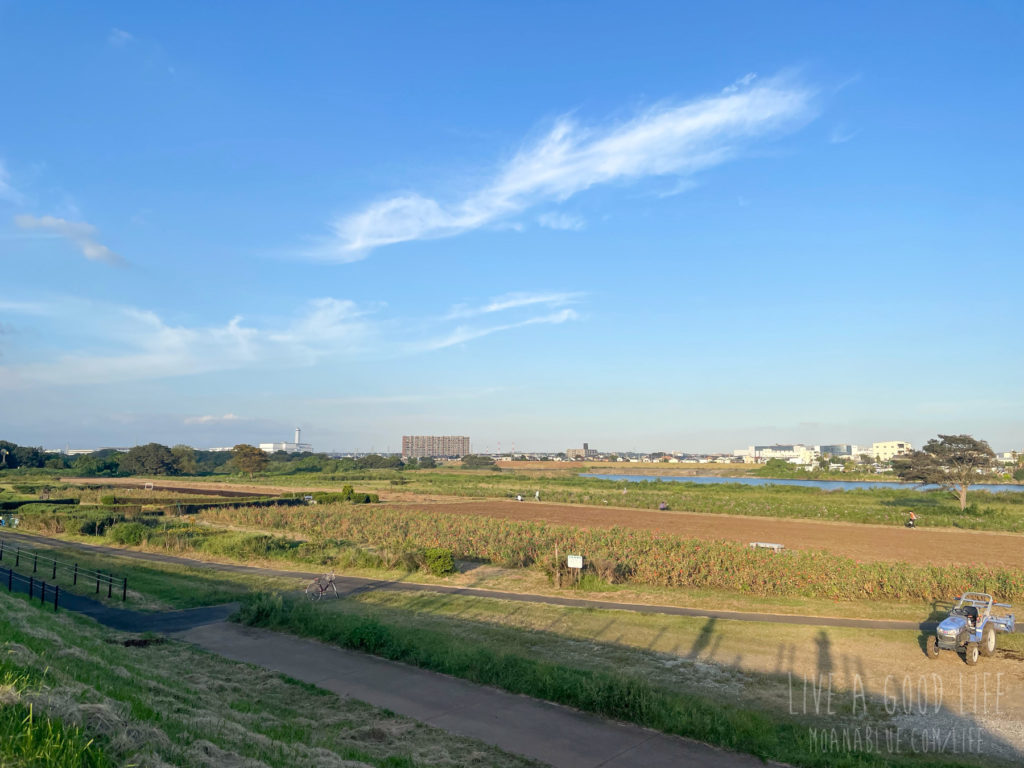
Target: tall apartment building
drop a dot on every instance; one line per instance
(586, 452)
(888, 450)
(435, 446)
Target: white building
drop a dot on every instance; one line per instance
(1009, 457)
(297, 447)
(889, 450)
(795, 453)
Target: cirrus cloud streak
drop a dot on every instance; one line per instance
(664, 140)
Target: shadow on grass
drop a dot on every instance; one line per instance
(583, 671)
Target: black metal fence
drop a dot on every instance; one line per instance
(46, 571)
(33, 587)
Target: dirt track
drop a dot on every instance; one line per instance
(857, 540)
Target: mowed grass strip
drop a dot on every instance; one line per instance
(610, 693)
(159, 702)
(151, 585)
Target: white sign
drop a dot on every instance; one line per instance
(575, 561)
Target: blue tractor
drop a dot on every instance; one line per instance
(970, 628)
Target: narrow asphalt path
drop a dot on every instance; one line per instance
(557, 735)
(109, 615)
(353, 584)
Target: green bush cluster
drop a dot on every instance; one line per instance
(439, 561)
(132, 534)
(346, 494)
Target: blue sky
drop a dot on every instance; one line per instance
(649, 226)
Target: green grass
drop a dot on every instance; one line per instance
(988, 511)
(170, 703)
(29, 738)
(991, 511)
(152, 585)
(594, 677)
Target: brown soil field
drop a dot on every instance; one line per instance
(857, 540)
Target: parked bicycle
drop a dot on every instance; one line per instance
(321, 585)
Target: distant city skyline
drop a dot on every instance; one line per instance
(510, 446)
(654, 226)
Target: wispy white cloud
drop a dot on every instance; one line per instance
(7, 192)
(25, 307)
(227, 417)
(514, 300)
(553, 220)
(840, 134)
(742, 82)
(81, 233)
(463, 334)
(664, 140)
(137, 344)
(119, 37)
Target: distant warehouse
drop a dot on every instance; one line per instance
(435, 446)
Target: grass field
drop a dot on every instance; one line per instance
(684, 676)
(987, 511)
(167, 703)
(700, 677)
(627, 554)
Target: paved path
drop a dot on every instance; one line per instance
(111, 616)
(556, 735)
(353, 585)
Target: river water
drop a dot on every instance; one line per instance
(828, 485)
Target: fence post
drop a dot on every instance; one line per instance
(35, 562)
(54, 570)
(97, 582)
(17, 557)
(110, 584)
(124, 590)
(56, 597)
(1, 549)
(74, 580)
(42, 594)
(31, 584)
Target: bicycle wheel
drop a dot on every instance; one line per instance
(333, 589)
(313, 591)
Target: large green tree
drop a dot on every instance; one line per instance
(149, 459)
(248, 458)
(952, 462)
(184, 459)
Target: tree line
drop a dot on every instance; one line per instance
(158, 459)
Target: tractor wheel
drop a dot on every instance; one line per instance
(988, 640)
(971, 654)
(931, 648)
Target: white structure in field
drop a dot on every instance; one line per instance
(887, 451)
(297, 447)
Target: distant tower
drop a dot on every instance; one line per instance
(298, 434)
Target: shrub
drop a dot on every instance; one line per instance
(439, 561)
(128, 533)
(246, 546)
(108, 500)
(1017, 475)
